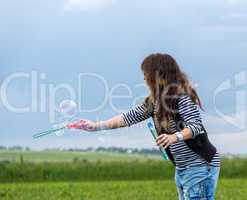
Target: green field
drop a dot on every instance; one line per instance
(102, 176)
(65, 156)
(113, 190)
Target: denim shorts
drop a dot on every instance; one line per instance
(197, 183)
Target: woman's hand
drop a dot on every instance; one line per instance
(83, 124)
(165, 140)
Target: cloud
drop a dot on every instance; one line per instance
(235, 16)
(234, 143)
(86, 4)
(234, 123)
(226, 137)
(215, 124)
(236, 2)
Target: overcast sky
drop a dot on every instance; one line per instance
(61, 40)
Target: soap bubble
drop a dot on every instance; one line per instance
(68, 108)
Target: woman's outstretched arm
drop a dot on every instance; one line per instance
(88, 125)
(133, 116)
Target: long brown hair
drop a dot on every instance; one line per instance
(166, 82)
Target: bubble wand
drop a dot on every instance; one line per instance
(68, 110)
(51, 131)
(155, 135)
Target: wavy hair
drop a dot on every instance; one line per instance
(166, 82)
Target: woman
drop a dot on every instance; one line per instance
(174, 106)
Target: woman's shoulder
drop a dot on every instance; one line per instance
(148, 100)
(183, 98)
(186, 101)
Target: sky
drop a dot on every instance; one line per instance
(94, 49)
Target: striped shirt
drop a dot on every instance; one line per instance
(183, 156)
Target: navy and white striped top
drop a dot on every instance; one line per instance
(190, 114)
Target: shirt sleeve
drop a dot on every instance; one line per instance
(190, 114)
(140, 113)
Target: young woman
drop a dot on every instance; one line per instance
(174, 106)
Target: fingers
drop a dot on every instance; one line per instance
(160, 139)
(78, 124)
(161, 136)
(83, 124)
(167, 144)
(163, 140)
(89, 128)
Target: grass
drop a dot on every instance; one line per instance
(55, 175)
(66, 156)
(85, 171)
(96, 167)
(113, 190)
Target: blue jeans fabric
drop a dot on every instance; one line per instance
(197, 183)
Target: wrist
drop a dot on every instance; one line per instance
(179, 136)
(100, 126)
